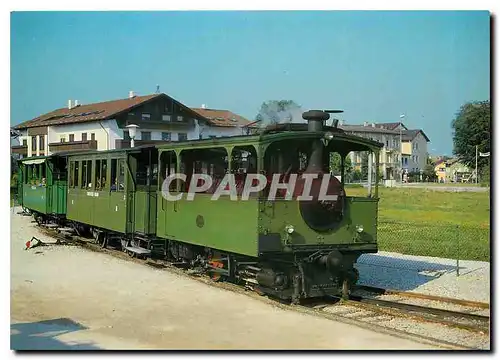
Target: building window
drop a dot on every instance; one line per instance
(145, 135)
(25, 142)
(166, 117)
(212, 136)
(33, 143)
(180, 118)
(92, 136)
(71, 137)
(62, 139)
(165, 136)
(41, 145)
(145, 117)
(126, 135)
(387, 143)
(183, 137)
(84, 136)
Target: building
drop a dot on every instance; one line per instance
(103, 126)
(453, 171)
(223, 123)
(414, 143)
(389, 157)
(440, 169)
(457, 172)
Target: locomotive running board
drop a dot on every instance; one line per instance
(138, 250)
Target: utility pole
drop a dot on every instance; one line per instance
(401, 117)
(476, 163)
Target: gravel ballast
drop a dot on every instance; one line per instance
(426, 275)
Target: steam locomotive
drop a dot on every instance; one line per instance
(290, 246)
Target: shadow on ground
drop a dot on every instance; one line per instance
(41, 336)
(400, 273)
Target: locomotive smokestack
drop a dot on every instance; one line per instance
(315, 119)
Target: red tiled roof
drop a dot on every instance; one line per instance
(409, 135)
(390, 126)
(89, 112)
(223, 118)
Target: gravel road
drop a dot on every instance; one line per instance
(66, 297)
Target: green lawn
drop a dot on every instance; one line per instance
(434, 223)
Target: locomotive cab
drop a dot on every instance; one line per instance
(320, 227)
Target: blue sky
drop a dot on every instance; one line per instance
(373, 65)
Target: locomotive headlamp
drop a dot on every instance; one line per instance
(289, 229)
(359, 228)
(328, 136)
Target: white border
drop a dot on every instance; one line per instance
(189, 5)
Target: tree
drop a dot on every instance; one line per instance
(364, 165)
(279, 111)
(335, 164)
(428, 173)
(471, 127)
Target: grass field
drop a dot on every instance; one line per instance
(426, 222)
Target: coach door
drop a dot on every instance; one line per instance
(101, 192)
(168, 166)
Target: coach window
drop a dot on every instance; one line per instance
(117, 175)
(86, 174)
(42, 177)
(147, 167)
(34, 174)
(168, 166)
(243, 162)
(71, 173)
(213, 162)
(76, 174)
(100, 174)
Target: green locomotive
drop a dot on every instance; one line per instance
(288, 245)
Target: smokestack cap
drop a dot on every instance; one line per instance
(315, 115)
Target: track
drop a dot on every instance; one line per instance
(461, 320)
(361, 309)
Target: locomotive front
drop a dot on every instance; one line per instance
(310, 231)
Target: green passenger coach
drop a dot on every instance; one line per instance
(43, 185)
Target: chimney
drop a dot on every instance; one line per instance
(365, 123)
(70, 105)
(76, 103)
(373, 124)
(203, 106)
(131, 94)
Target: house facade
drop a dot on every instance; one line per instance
(103, 126)
(389, 158)
(414, 144)
(440, 170)
(453, 171)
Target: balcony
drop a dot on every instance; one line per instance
(73, 146)
(20, 149)
(125, 144)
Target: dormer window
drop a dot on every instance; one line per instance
(145, 117)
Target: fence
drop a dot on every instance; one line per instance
(429, 246)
